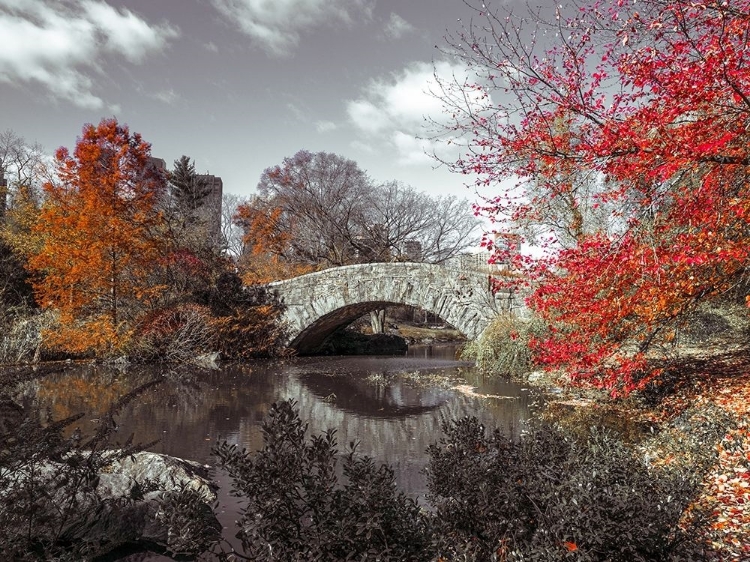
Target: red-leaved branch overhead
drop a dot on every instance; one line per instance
(625, 125)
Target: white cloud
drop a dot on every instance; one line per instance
(58, 45)
(166, 96)
(325, 126)
(411, 150)
(121, 31)
(397, 27)
(367, 117)
(277, 25)
(360, 146)
(399, 111)
(297, 111)
(401, 101)
(211, 46)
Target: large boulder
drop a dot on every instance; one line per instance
(147, 500)
(154, 474)
(158, 501)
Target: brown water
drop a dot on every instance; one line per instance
(393, 406)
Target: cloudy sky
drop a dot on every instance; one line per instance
(235, 84)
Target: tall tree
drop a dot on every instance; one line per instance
(194, 231)
(651, 100)
(99, 225)
(231, 232)
(17, 242)
(319, 195)
(394, 214)
(21, 165)
(329, 213)
(188, 189)
(21, 173)
(267, 253)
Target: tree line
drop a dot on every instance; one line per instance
(321, 210)
(122, 256)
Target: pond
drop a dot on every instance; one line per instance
(393, 406)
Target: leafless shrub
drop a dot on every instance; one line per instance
(174, 335)
(21, 339)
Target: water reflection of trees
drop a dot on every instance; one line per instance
(394, 419)
(184, 412)
(402, 439)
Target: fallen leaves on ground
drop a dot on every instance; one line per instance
(726, 489)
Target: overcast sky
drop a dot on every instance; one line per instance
(235, 84)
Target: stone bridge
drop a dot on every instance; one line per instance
(319, 303)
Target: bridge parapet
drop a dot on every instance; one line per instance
(318, 303)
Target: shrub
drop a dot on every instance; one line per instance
(248, 332)
(21, 339)
(15, 286)
(298, 510)
(503, 347)
(48, 482)
(174, 335)
(246, 320)
(550, 497)
(187, 519)
(544, 498)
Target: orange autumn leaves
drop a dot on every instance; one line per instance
(266, 243)
(99, 231)
(104, 253)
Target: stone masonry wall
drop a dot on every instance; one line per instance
(319, 303)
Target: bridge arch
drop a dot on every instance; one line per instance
(319, 303)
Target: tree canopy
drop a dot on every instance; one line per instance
(322, 210)
(189, 190)
(99, 227)
(649, 103)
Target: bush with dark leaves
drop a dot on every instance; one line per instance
(48, 482)
(247, 320)
(547, 497)
(551, 497)
(298, 510)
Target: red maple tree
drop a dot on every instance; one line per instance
(652, 100)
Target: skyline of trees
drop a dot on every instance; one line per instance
(22, 167)
(321, 209)
(118, 249)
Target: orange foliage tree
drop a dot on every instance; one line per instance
(99, 226)
(266, 243)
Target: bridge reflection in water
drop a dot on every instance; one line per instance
(394, 406)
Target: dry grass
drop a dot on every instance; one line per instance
(503, 348)
(21, 336)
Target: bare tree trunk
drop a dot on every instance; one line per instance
(377, 321)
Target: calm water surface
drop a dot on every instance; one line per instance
(393, 406)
